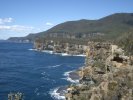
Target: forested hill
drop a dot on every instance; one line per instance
(108, 27)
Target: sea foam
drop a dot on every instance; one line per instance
(54, 94)
(68, 78)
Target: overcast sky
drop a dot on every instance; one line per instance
(21, 17)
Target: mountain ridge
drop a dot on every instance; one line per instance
(110, 26)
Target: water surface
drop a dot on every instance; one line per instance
(33, 73)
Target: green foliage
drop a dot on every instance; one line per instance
(126, 42)
(100, 65)
(112, 86)
(109, 27)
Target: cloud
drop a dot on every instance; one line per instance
(6, 20)
(16, 28)
(49, 24)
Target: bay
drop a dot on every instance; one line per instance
(35, 74)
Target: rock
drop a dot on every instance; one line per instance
(112, 75)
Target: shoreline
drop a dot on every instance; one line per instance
(59, 92)
(60, 54)
(72, 76)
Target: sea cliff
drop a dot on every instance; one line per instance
(107, 75)
(60, 47)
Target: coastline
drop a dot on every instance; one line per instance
(60, 54)
(72, 76)
(58, 93)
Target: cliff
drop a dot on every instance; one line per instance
(60, 47)
(107, 75)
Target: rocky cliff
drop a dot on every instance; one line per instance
(107, 75)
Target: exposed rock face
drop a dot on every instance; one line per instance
(59, 47)
(109, 74)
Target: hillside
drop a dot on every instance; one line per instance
(108, 27)
(126, 42)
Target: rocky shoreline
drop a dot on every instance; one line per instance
(59, 92)
(60, 54)
(107, 75)
(60, 48)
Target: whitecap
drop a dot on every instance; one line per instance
(48, 51)
(54, 66)
(67, 73)
(68, 78)
(71, 80)
(65, 54)
(33, 49)
(61, 54)
(81, 55)
(54, 94)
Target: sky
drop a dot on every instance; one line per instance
(21, 17)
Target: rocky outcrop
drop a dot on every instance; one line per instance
(15, 96)
(60, 47)
(108, 75)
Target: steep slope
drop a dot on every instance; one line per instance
(109, 27)
(126, 42)
(114, 25)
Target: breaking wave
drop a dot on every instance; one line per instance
(56, 95)
(33, 49)
(61, 54)
(70, 79)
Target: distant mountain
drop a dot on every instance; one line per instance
(110, 26)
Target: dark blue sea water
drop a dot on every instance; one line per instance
(33, 73)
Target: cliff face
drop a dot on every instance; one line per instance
(108, 75)
(60, 47)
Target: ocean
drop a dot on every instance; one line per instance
(37, 75)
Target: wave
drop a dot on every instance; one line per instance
(67, 73)
(48, 51)
(54, 66)
(70, 79)
(56, 95)
(81, 55)
(33, 49)
(66, 54)
(45, 51)
(61, 54)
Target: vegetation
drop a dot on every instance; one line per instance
(109, 27)
(126, 42)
